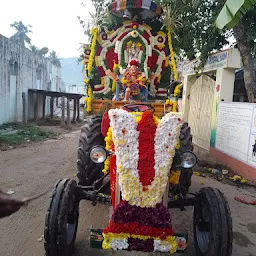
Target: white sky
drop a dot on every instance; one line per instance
(54, 22)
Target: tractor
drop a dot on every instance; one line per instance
(135, 156)
(212, 218)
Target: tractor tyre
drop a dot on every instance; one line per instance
(61, 220)
(185, 146)
(88, 171)
(212, 224)
(185, 138)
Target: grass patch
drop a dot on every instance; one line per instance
(13, 134)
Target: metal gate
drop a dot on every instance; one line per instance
(200, 113)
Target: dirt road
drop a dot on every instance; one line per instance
(34, 169)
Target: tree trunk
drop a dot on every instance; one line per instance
(244, 46)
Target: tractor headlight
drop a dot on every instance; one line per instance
(98, 154)
(189, 160)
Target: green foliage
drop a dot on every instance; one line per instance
(232, 12)
(20, 134)
(165, 80)
(100, 17)
(197, 35)
(42, 52)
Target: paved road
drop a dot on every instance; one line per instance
(31, 170)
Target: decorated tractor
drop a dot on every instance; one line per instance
(129, 158)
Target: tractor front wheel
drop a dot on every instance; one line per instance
(212, 224)
(61, 220)
(88, 171)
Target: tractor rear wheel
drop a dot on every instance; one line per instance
(212, 224)
(91, 135)
(61, 220)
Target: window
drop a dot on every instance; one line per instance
(14, 68)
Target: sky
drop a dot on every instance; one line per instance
(54, 23)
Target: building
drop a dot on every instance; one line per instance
(20, 70)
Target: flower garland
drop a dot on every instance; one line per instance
(113, 176)
(174, 66)
(88, 99)
(125, 137)
(177, 90)
(141, 222)
(168, 102)
(175, 177)
(108, 140)
(175, 106)
(140, 229)
(147, 132)
(124, 241)
(93, 49)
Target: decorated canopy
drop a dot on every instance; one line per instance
(146, 9)
(131, 56)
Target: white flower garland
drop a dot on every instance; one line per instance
(125, 137)
(161, 246)
(119, 244)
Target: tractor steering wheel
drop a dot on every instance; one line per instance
(138, 108)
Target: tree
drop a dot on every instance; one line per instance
(234, 15)
(197, 36)
(43, 51)
(54, 59)
(21, 36)
(232, 12)
(33, 48)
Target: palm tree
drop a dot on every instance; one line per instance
(54, 59)
(33, 48)
(21, 36)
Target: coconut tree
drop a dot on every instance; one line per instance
(33, 48)
(54, 59)
(21, 36)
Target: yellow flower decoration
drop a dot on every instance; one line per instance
(88, 100)
(175, 106)
(174, 66)
(177, 90)
(109, 237)
(108, 140)
(175, 177)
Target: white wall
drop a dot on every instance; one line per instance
(29, 65)
(236, 131)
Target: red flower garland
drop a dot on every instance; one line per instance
(134, 228)
(147, 132)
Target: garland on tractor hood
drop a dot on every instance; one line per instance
(144, 149)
